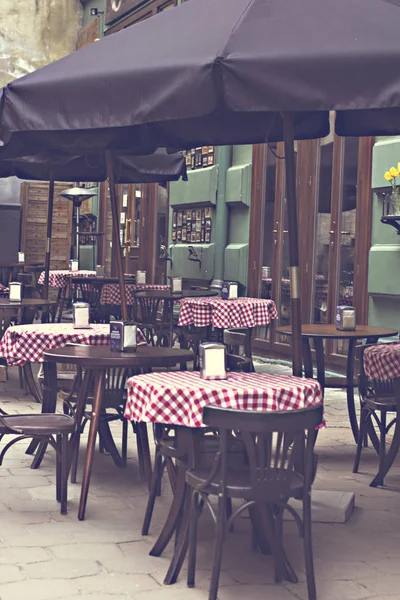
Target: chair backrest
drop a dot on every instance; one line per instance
(90, 293)
(279, 446)
(238, 341)
(151, 311)
(371, 387)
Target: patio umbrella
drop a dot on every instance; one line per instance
(220, 72)
(57, 166)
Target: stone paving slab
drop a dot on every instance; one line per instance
(45, 556)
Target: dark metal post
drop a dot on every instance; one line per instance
(48, 238)
(290, 169)
(115, 224)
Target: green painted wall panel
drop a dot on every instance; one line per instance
(384, 269)
(384, 312)
(201, 187)
(182, 267)
(238, 185)
(386, 154)
(236, 262)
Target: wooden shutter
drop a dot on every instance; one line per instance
(88, 34)
(34, 198)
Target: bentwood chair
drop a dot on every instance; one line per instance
(378, 399)
(153, 316)
(51, 428)
(279, 448)
(166, 452)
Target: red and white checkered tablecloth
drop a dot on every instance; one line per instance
(61, 279)
(382, 362)
(178, 398)
(239, 312)
(110, 293)
(27, 343)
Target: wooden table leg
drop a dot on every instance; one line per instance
(61, 301)
(350, 388)
(73, 444)
(320, 356)
(49, 403)
(30, 381)
(91, 443)
(307, 358)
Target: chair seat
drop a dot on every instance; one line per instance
(387, 403)
(40, 424)
(239, 484)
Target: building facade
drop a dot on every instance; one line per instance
(229, 220)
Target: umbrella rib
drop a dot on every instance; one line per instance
(242, 14)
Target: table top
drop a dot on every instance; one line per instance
(178, 398)
(329, 331)
(27, 343)
(382, 362)
(103, 280)
(168, 295)
(101, 356)
(238, 312)
(6, 303)
(62, 277)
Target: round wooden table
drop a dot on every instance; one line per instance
(31, 302)
(168, 295)
(96, 360)
(319, 332)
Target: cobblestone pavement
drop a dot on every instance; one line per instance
(44, 555)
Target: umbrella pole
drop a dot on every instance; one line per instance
(115, 224)
(48, 238)
(290, 169)
(77, 217)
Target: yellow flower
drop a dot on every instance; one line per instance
(394, 172)
(388, 176)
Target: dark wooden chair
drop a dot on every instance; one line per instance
(238, 342)
(377, 399)
(166, 450)
(279, 448)
(90, 292)
(153, 315)
(51, 428)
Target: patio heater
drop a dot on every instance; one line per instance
(77, 195)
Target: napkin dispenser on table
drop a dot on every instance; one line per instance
(176, 285)
(15, 291)
(141, 277)
(73, 265)
(81, 313)
(212, 359)
(21, 257)
(230, 290)
(100, 271)
(345, 318)
(123, 335)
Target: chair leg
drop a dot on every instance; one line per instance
(365, 415)
(75, 460)
(144, 442)
(193, 527)
(382, 441)
(64, 474)
(157, 472)
(219, 540)
(124, 455)
(308, 552)
(58, 468)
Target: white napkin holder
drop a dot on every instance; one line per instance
(21, 257)
(176, 285)
(141, 277)
(345, 318)
(230, 290)
(73, 265)
(100, 271)
(123, 336)
(81, 313)
(212, 359)
(15, 291)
